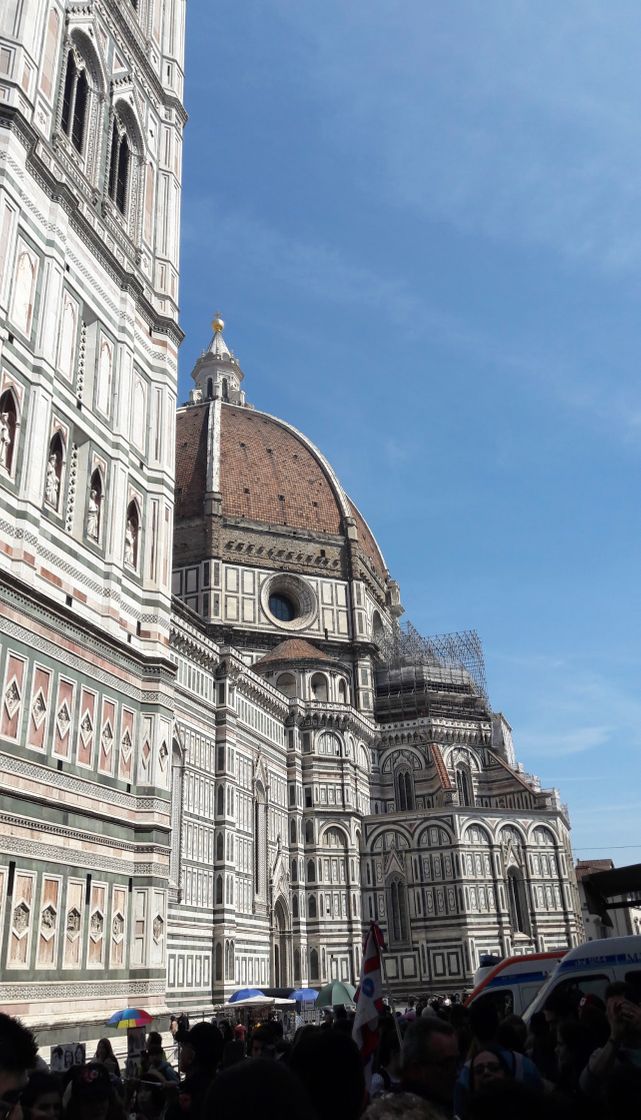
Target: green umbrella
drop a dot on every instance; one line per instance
(335, 993)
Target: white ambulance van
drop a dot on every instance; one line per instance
(589, 968)
(512, 984)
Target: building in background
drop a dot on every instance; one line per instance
(90, 146)
(334, 766)
(624, 919)
(221, 788)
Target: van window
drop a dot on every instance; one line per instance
(502, 1000)
(592, 985)
(634, 980)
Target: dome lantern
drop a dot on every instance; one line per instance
(217, 373)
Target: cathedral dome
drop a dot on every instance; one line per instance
(260, 471)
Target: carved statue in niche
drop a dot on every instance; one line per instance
(52, 482)
(130, 542)
(6, 439)
(93, 516)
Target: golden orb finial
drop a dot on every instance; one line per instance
(217, 323)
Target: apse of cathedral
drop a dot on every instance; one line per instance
(223, 750)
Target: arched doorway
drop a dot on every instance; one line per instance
(281, 946)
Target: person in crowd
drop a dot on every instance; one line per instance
(401, 1106)
(263, 1042)
(329, 1065)
(200, 1055)
(512, 1034)
(592, 1016)
(487, 1067)
(224, 1026)
(484, 1023)
(541, 1046)
(155, 1061)
(623, 1047)
(150, 1102)
(258, 1088)
(42, 1097)
(233, 1053)
(573, 1049)
(410, 1011)
(430, 1061)
(92, 1095)
(18, 1054)
(387, 1067)
(105, 1055)
(240, 1034)
(507, 1099)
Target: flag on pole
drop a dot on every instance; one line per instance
(369, 1000)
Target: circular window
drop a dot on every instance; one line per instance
(288, 601)
(282, 607)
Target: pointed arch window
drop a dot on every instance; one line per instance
(313, 964)
(312, 906)
(95, 507)
(119, 166)
(219, 961)
(295, 906)
(260, 842)
(220, 847)
(464, 786)
(177, 778)
(53, 474)
(311, 871)
(309, 832)
(75, 101)
(516, 901)
(132, 535)
(292, 832)
(404, 790)
(8, 427)
(219, 890)
(294, 871)
(398, 924)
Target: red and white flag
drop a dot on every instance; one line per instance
(369, 1000)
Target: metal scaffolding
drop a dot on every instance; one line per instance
(417, 675)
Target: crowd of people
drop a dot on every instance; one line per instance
(578, 1059)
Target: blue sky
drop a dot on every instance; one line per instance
(422, 224)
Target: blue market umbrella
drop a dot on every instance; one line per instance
(304, 995)
(245, 993)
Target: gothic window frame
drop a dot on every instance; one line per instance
(80, 52)
(314, 964)
(176, 816)
(398, 924)
(464, 785)
(125, 167)
(404, 789)
(517, 903)
(260, 843)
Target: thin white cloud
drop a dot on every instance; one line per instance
(519, 122)
(555, 744)
(313, 267)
